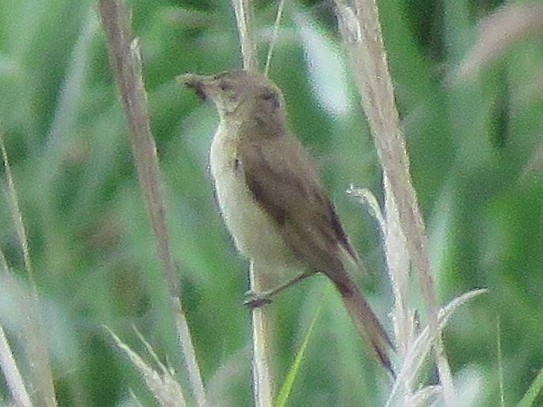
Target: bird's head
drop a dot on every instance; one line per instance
(238, 94)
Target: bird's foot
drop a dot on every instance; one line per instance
(256, 300)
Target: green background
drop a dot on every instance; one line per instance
(471, 143)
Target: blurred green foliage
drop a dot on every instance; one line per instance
(470, 143)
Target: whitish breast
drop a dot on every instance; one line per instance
(253, 231)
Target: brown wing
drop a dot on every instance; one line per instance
(289, 190)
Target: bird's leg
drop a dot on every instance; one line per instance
(255, 300)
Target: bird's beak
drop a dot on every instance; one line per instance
(204, 86)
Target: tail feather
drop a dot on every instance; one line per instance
(366, 322)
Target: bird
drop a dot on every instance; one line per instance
(271, 198)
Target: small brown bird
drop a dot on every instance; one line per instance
(271, 197)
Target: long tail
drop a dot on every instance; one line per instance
(367, 323)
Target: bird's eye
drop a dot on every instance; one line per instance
(225, 86)
(270, 96)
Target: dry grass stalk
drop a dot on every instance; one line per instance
(262, 321)
(247, 40)
(498, 32)
(162, 383)
(37, 354)
(405, 234)
(14, 380)
(126, 64)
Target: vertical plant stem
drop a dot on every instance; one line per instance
(262, 344)
(12, 375)
(247, 40)
(126, 64)
(261, 317)
(280, 8)
(361, 31)
(14, 380)
(35, 342)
